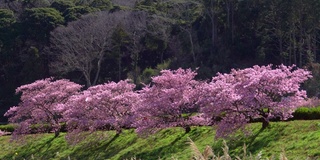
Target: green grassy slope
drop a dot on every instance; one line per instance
(299, 139)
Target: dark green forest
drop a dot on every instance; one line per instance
(94, 41)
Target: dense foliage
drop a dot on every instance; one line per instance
(307, 113)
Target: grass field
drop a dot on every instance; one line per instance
(299, 140)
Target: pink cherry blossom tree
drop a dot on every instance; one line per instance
(105, 106)
(168, 102)
(260, 92)
(41, 105)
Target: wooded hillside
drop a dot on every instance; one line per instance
(94, 41)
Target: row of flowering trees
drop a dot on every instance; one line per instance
(173, 99)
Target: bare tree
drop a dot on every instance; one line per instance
(82, 45)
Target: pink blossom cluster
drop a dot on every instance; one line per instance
(41, 105)
(105, 106)
(168, 102)
(260, 92)
(173, 99)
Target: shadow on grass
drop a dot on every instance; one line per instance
(93, 149)
(264, 137)
(256, 142)
(33, 147)
(102, 148)
(177, 144)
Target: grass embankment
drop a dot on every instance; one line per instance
(299, 139)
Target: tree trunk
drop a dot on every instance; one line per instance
(187, 129)
(265, 123)
(290, 50)
(189, 32)
(314, 45)
(118, 131)
(294, 49)
(98, 70)
(119, 67)
(56, 133)
(87, 77)
(135, 67)
(211, 13)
